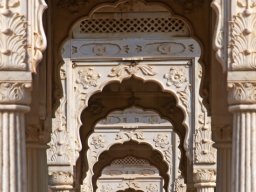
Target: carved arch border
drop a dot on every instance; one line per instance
(200, 116)
(165, 153)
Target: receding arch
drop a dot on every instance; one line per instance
(135, 149)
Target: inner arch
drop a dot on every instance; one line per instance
(132, 92)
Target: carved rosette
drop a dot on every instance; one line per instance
(152, 188)
(161, 140)
(85, 79)
(60, 178)
(15, 93)
(98, 141)
(242, 93)
(106, 188)
(202, 176)
(177, 78)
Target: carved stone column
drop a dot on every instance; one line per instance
(242, 99)
(14, 99)
(223, 138)
(224, 166)
(205, 179)
(37, 173)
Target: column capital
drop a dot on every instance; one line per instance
(242, 92)
(61, 181)
(204, 177)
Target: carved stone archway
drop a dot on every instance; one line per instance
(171, 62)
(139, 126)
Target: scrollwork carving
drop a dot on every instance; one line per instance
(15, 92)
(131, 69)
(131, 135)
(204, 175)
(204, 151)
(242, 92)
(60, 178)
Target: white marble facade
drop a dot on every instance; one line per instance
(143, 96)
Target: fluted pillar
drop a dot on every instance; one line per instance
(205, 179)
(224, 166)
(37, 173)
(13, 155)
(244, 148)
(242, 103)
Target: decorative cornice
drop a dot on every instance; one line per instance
(242, 93)
(204, 175)
(15, 93)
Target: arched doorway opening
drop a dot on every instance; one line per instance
(107, 67)
(143, 94)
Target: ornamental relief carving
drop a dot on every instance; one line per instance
(98, 141)
(179, 184)
(85, 78)
(204, 175)
(243, 38)
(130, 135)
(132, 48)
(13, 41)
(178, 78)
(204, 151)
(15, 92)
(60, 178)
(131, 69)
(242, 92)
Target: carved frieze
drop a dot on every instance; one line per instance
(242, 92)
(15, 92)
(142, 48)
